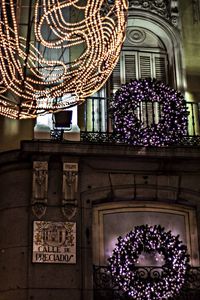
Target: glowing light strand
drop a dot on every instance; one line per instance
(30, 80)
(150, 239)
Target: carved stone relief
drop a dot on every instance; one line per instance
(196, 10)
(136, 35)
(40, 187)
(142, 37)
(70, 185)
(165, 8)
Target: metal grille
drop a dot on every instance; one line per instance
(98, 126)
(105, 289)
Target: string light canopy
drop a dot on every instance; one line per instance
(36, 41)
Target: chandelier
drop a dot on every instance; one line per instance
(55, 53)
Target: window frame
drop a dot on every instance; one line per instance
(138, 54)
(190, 221)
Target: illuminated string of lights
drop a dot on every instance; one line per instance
(149, 239)
(126, 110)
(30, 80)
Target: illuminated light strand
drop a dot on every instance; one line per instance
(172, 119)
(150, 240)
(36, 84)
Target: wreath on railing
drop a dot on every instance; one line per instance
(168, 122)
(149, 239)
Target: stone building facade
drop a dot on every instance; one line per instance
(63, 203)
(117, 188)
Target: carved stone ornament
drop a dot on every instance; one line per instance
(136, 35)
(69, 210)
(166, 8)
(196, 10)
(70, 185)
(40, 186)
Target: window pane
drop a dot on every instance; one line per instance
(160, 67)
(145, 65)
(116, 78)
(130, 67)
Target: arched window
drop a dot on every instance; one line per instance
(143, 55)
(152, 48)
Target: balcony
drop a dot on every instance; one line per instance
(105, 289)
(98, 124)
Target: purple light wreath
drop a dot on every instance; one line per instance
(149, 239)
(172, 114)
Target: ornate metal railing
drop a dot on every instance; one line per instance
(106, 289)
(98, 125)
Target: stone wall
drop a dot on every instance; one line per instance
(107, 175)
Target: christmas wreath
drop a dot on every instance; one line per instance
(149, 239)
(148, 113)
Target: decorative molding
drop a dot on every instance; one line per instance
(166, 9)
(40, 188)
(70, 186)
(69, 210)
(196, 10)
(142, 37)
(136, 35)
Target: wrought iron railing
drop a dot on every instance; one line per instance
(98, 124)
(106, 289)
